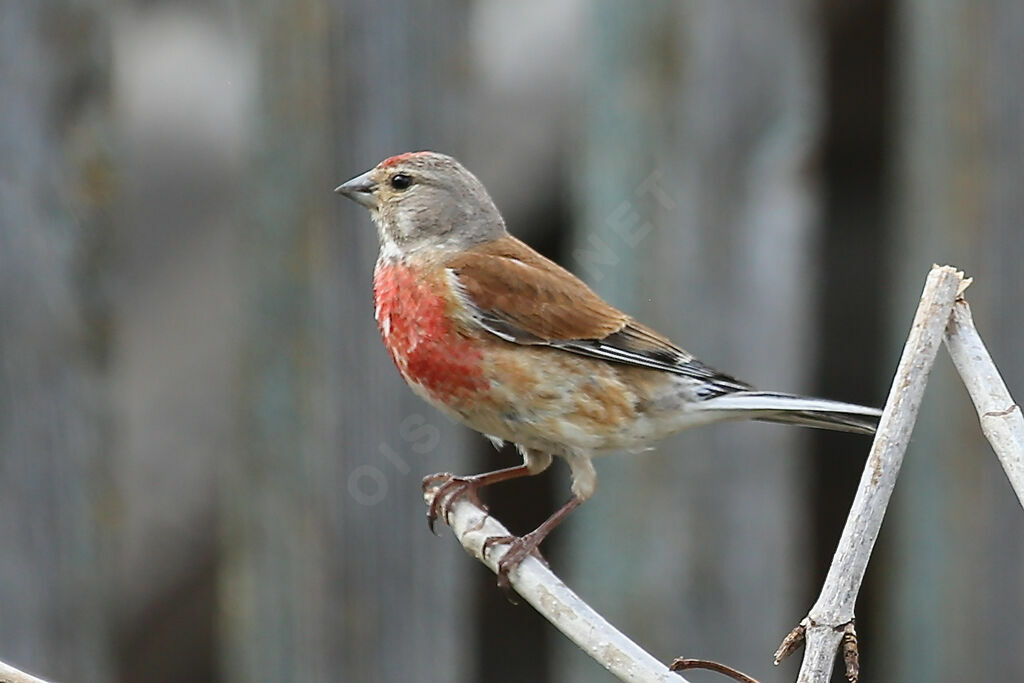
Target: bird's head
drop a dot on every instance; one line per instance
(425, 200)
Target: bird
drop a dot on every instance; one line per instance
(516, 347)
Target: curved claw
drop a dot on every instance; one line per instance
(431, 480)
(503, 569)
(491, 541)
(448, 491)
(450, 488)
(519, 548)
(438, 481)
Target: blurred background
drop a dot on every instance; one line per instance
(209, 469)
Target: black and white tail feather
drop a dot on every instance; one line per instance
(723, 394)
(769, 406)
(637, 345)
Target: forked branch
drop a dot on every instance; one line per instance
(942, 315)
(830, 620)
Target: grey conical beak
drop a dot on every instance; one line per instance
(360, 190)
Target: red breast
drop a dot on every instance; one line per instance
(413, 314)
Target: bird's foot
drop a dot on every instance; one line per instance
(449, 489)
(519, 548)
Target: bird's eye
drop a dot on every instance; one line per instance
(401, 181)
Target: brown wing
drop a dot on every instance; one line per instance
(532, 298)
(524, 298)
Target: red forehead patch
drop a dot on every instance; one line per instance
(399, 158)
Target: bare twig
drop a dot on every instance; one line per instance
(687, 663)
(553, 599)
(827, 620)
(8, 674)
(1001, 418)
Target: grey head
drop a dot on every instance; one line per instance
(422, 200)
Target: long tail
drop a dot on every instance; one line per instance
(821, 413)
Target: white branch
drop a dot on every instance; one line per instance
(1001, 418)
(828, 618)
(553, 599)
(8, 674)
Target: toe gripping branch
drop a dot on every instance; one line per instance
(539, 587)
(449, 488)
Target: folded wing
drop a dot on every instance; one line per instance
(524, 298)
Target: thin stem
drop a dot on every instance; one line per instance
(1001, 418)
